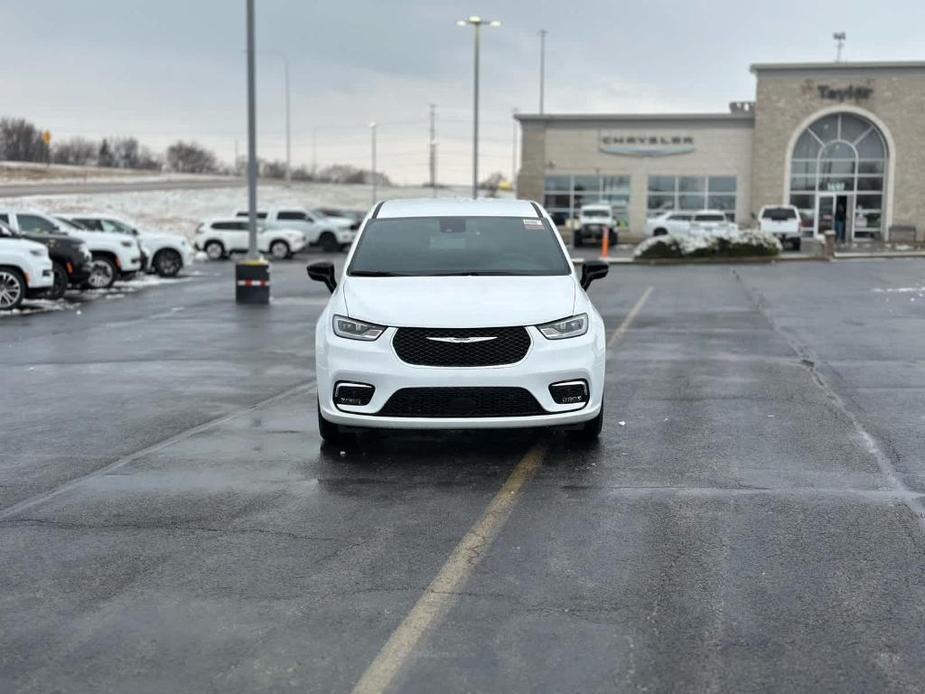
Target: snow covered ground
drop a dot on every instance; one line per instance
(13, 172)
(180, 211)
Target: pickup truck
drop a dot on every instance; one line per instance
(25, 270)
(784, 222)
(112, 257)
(331, 234)
(593, 220)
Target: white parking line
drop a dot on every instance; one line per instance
(630, 317)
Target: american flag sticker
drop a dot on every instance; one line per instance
(533, 224)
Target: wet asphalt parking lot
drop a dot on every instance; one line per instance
(751, 519)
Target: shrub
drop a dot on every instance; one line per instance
(737, 244)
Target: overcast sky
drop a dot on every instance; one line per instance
(169, 69)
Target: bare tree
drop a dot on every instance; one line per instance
(190, 157)
(77, 151)
(20, 140)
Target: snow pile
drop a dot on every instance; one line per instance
(719, 244)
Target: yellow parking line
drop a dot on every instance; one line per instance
(443, 591)
(630, 317)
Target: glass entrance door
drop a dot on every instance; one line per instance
(825, 213)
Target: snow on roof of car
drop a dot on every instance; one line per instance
(457, 207)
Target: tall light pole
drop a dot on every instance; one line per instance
(251, 136)
(372, 174)
(839, 37)
(285, 60)
(476, 22)
(543, 33)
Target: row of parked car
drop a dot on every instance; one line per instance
(42, 255)
(281, 232)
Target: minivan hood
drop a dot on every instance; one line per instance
(459, 302)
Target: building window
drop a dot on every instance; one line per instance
(563, 196)
(842, 156)
(691, 193)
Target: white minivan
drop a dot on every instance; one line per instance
(459, 314)
(783, 221)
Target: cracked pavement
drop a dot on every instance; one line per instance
(169, 521)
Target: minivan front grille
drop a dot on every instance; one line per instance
(461, 402)
(461, 346)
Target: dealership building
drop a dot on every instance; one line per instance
(841, 141)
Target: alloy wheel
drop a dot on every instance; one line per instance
(101, 276)
(10, 290)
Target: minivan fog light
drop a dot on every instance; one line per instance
(353, 394)
(569, 392)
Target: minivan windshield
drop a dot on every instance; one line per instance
(435, 246)
(594, 213)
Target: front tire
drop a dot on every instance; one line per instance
(167, 263)
(612, 238)
(590, 430)
(660, 232)
(797, 244)
(104, 273)
(215, 250)
(279, 250)
(330, 432)
(12, 288)
(577, 241)
(60, 285)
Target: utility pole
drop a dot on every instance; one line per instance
(543, 33)
(314, 151)
(433, 149)
(840, 37)
(372, 127)
(514, 155)
(288, 131)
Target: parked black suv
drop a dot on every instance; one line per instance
(72, 260)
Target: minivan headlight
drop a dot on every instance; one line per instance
(567, 327)
(357, 329)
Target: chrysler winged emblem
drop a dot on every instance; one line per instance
(464, 340)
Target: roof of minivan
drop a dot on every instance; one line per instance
(457, 207)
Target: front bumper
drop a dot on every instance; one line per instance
(78, 274)
(375, 363)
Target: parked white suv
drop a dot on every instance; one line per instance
(783, 221)
(224, 235)
(329, 233)
(459, 314)
(686, 223)
(165, 254)
(113, 257)
(25, 270)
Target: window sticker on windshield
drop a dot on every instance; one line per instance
(533, 224)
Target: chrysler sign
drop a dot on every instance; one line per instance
(646, 145)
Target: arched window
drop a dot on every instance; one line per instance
(844, 154)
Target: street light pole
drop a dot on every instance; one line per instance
(251, 137)
(372, 127)
(476, 22)
(514, 155)
(543, 33)
(288, 131)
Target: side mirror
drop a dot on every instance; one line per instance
(593, 270)
(324, 272)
